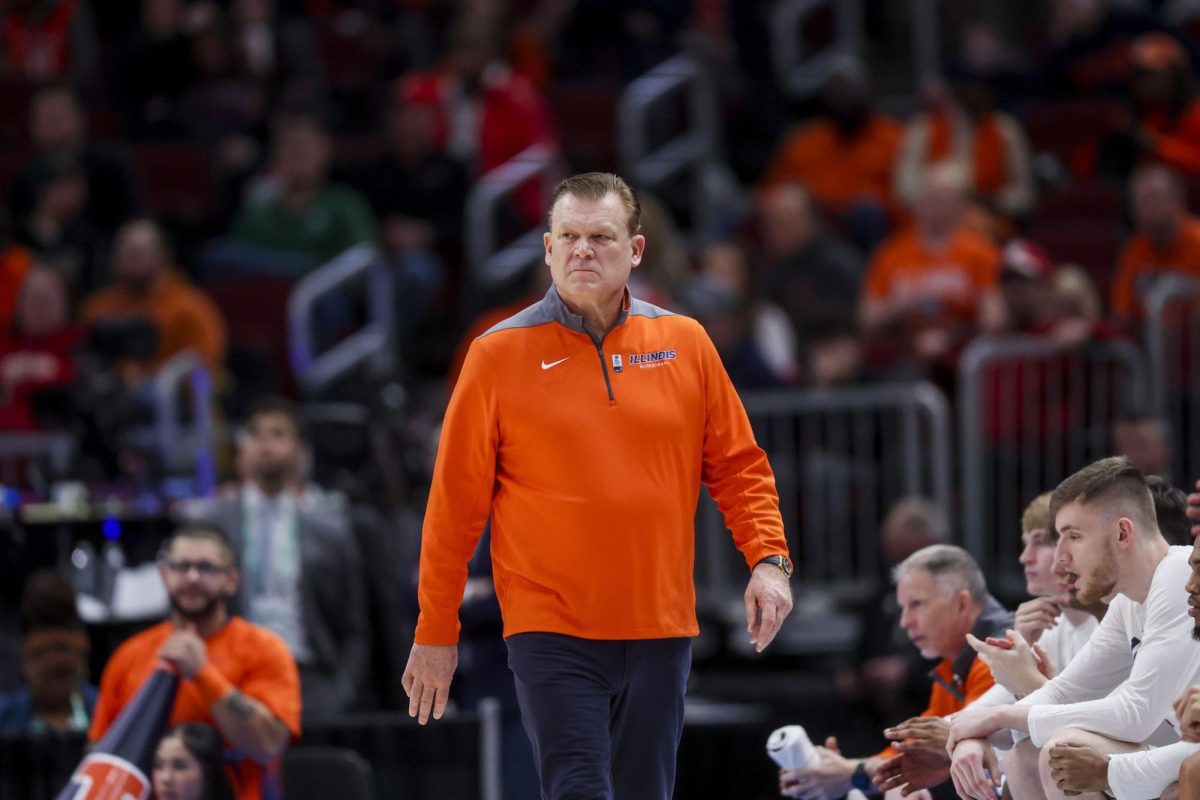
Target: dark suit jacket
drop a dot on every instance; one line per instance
(333, 604)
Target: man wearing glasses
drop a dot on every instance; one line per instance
(236, 676)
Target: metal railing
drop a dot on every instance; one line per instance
(182, 397)
(802, 72)
(1031, 411)
(24, 451)
(1172, 334)
(694, 151)
(371, 345)
(841, 458)
(492, 263)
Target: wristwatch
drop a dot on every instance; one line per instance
(860, 779)
(783, 562)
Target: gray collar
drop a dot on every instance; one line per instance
(554, 308)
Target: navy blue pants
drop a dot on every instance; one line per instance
(604, 717)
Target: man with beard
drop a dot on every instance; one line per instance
(1116, 695)
(302, 573)
(234, 675)
(1077, 767)
(148, 287)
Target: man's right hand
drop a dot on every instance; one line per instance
(427, 678)
(971, 757)
(1034, 617)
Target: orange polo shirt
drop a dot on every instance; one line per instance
(839, 169)
(1140, 263)
(953, 277)
(942, 701)
(588, 458)
(254, 660)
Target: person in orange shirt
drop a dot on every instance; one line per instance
(965, 128)
(583, 428)
(942, 597)
(1167, 126)
(938, 281)
(235, 676)
(1166, 239)
(148, 287)
(845, 156)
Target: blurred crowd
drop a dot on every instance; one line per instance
(170, 169)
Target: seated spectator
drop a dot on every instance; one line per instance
(235, 676)
(726, 266)
(419, 193)
(39, 353)
(1146, 441)
(943, 598)
(189, 764)
(49, 39)
(934, 285)
(886, 672)
(276, 52)
(1025, 274)
(293, 219)
(148, 287)
(844, 156)
(302, 574)
(15, 261)
(58, 131)
(812, 275)
(1089, 44)
(1170, 511)
(1165, 240)
(58, 232)
(57, 696)
(153, 68)
(986, 145)
(486, 113)
(1109, 546)
(1166, 113)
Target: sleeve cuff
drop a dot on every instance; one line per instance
(212, 684)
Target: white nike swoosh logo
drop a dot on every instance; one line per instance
(553, 363)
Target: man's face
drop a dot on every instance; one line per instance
(56, 123)
(1156, 204)
(1037, 557)
(139, 256)
(1087, 551)
(54, 663)
(589, 249)
(936, 621)
(302, 155)
(1193, 589)
(199, 577)
(271, 451)
(786, 221)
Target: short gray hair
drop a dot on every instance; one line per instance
(952, 568)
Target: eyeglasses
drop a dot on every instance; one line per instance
(207, 569)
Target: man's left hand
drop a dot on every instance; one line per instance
(1077, 768)
(972, 724)
(1187, 711)
(768, 600)
(920, 733)
(829, 777)
(185, 650)
(912, 771)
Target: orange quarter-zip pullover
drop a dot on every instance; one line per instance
(588, 456)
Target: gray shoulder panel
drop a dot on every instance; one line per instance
(534, 315)
(640, 308)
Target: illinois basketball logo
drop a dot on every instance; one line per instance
(103, 776)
